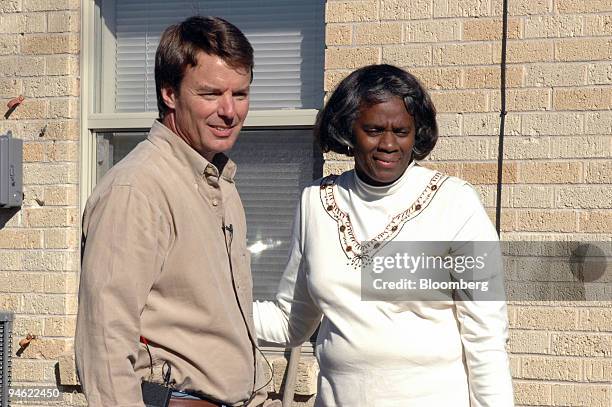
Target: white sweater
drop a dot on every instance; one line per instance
(388, 354)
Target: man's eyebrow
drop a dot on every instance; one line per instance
(207, 88)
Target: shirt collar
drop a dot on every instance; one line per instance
(163, 137)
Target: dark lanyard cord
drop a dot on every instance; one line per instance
(500, 152)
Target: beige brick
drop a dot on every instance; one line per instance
(523, 7)
(64, 21)
(338, 34)
(461, 8)
(10, 260)
(346, 11)
(515, 365)
(586, 6)
(31, 109)
(582, 147)
(486, 173)
(407, 55)
(62, 65)
(598, 172)
(59, 283)
(449, 124)
(62, 130)
(595, 319)
(461, 148)
(378, 33)
(44, 348)
(46, 5)
(532, 197)
(595, 222)
(484, 29)
(50, 217)
(584, 197)
(29, 370)
(67, 371)
(72, 304)
(595, 25)
(60, 195)
(553, 26)
(20, 282)
(50, 260)
(532, 393)
(51, 86)
(583, 49)
(10, 302)
(462, 54)
(583, 99)
(508, 219)
(22, 23)
(598, 123)
(23, 325)
(345, 58)
(10, 88)
(44, 304)
(333, 78)
(555, 74)
(537, 220)
(10, 6)
(600, 73)
(405, 9)
(488, 195)
(489, 77)
(433, 31)
(20, 239)
(548, 368)
(487, 124)
(582, 344)
(598, 370)
(526, 51)
(63, 151)
(33, 152)
(549, 172)
(9, 44)
(520, 148)
(452, 169)
(530, 342)
(523, 100)
(336, 167)
(62, 238)
(50, 44)
(460, 101)
(64, 108)
(582, 395)
(59, 326)
(438, 78)
(22, 66)
(40, 174)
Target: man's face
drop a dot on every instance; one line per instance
(210, 107)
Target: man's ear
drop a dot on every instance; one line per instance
(169, 97)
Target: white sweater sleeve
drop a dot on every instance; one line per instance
(293, 317)
(484, 324)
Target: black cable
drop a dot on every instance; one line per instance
(500, 151)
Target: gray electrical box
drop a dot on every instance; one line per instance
(11, 171)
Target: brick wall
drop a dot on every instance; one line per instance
(557, 168)
(39, 59)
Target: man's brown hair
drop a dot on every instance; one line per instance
(180, 44)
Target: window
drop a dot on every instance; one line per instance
(275, 153)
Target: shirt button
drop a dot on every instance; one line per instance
(215, 202)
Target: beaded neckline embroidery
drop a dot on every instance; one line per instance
(359, 253)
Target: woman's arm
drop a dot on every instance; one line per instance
(483, 322)
(293, 317)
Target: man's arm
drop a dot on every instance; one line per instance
(122, 257)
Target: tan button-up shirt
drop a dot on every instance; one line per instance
(158, 229)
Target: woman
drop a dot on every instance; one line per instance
(386, 353)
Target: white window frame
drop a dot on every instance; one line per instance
(93, 122)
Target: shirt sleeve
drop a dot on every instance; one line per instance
(294, 316)
(483, 323)
(122, 257)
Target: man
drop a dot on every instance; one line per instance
(164, 254)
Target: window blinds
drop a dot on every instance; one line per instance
(287, 36)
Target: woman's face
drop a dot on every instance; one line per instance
(384, 136)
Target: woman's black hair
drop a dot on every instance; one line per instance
(365, 87)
